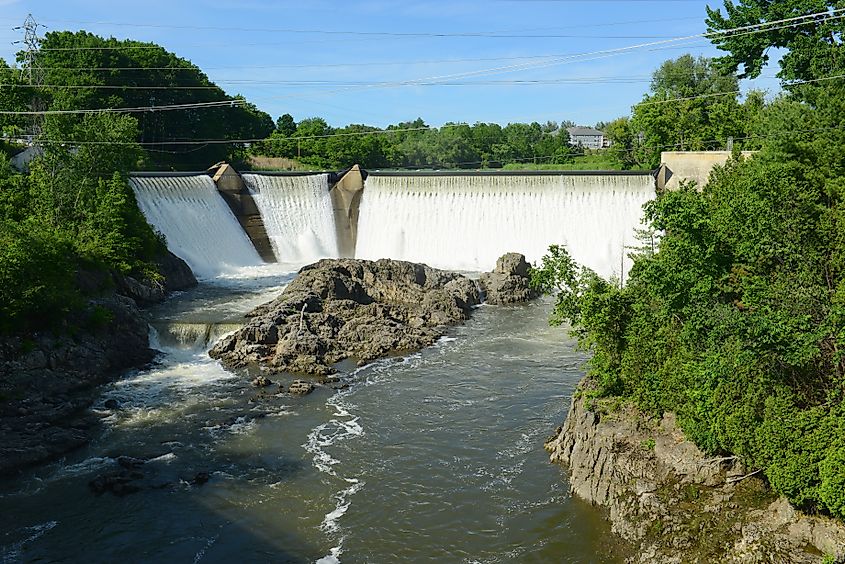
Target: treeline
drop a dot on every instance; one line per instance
(82, 71)
(414, 144)
(737, 322)
(693, 105)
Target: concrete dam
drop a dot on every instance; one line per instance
(453, 220)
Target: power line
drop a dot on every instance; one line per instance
(743, 30)
(348, 32)
(218, 104)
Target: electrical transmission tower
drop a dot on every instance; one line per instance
(32, 70)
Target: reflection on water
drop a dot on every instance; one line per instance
(434, 457)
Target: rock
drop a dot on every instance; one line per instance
(111, 404)
(175, 275)
(261, 382)
(144, 293)
(130, 463)
(509, 282)
(300, 388)
(671, 501)
(200, 479)
(119, 484)
(512, 264)
(176, 272)
(56, 382)
(347, 308)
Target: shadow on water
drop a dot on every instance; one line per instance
(432, 457)
(52, 515)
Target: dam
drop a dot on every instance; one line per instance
(451, 220)
(432, 456)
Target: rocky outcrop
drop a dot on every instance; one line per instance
(509, 282)
(673, 503)
(175, 275)
(46, 379)
(349, 308)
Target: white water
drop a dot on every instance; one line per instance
(467, 222)
(297, 214)
(199, 226)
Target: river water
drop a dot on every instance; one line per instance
(437, 456)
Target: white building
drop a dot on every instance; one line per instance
(586, 137)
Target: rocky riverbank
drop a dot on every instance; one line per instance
(673, 503)
(48, 379)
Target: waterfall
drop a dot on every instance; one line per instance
(297, 215)
(199, 226)
(467, 222)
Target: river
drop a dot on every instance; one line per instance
(437, 456)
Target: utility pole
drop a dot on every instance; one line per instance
(32, 68)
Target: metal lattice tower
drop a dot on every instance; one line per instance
(31, 69)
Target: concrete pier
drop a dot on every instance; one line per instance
(346, 202)
(231, 187)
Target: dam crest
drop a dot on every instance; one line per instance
(221, 220)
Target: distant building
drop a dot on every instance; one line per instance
(22, 159)
(587, 137)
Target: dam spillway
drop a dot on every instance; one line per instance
(465, 222)
(198, 225)
(297, 215)
(451, 220)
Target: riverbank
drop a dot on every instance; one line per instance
(673, 503)
(49, 379)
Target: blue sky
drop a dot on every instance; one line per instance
(332, 59)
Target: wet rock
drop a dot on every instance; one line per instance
(200, 479)
(176, 272)
(509, 282)
(349, 309)
(130, 463)
(119, 484)
(261, 382)
(111, 404)
(48, 380)
(301, 388)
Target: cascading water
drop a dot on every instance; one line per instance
(297, 214)
(199, 226)
(467, 222)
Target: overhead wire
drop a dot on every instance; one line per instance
(742, 30)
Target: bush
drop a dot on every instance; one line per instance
(37, 285)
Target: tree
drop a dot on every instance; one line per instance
(814, 45)
(285, 125)
(85, 71)
(692, 105)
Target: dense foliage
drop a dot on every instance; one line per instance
(737, 322)
(74, 211)
(693, 105)
(415, 145)
(84, 71)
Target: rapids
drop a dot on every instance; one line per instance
(432, 457)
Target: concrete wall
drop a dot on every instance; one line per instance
(231, 187)
(677, 166)
(346, 201)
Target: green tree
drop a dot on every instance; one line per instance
(814, 45)
(85, 71)
(692, 106)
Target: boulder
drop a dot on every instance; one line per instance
(176, 272)
(261, 382)
(349, 308)
(301, 388)
(509, 283)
